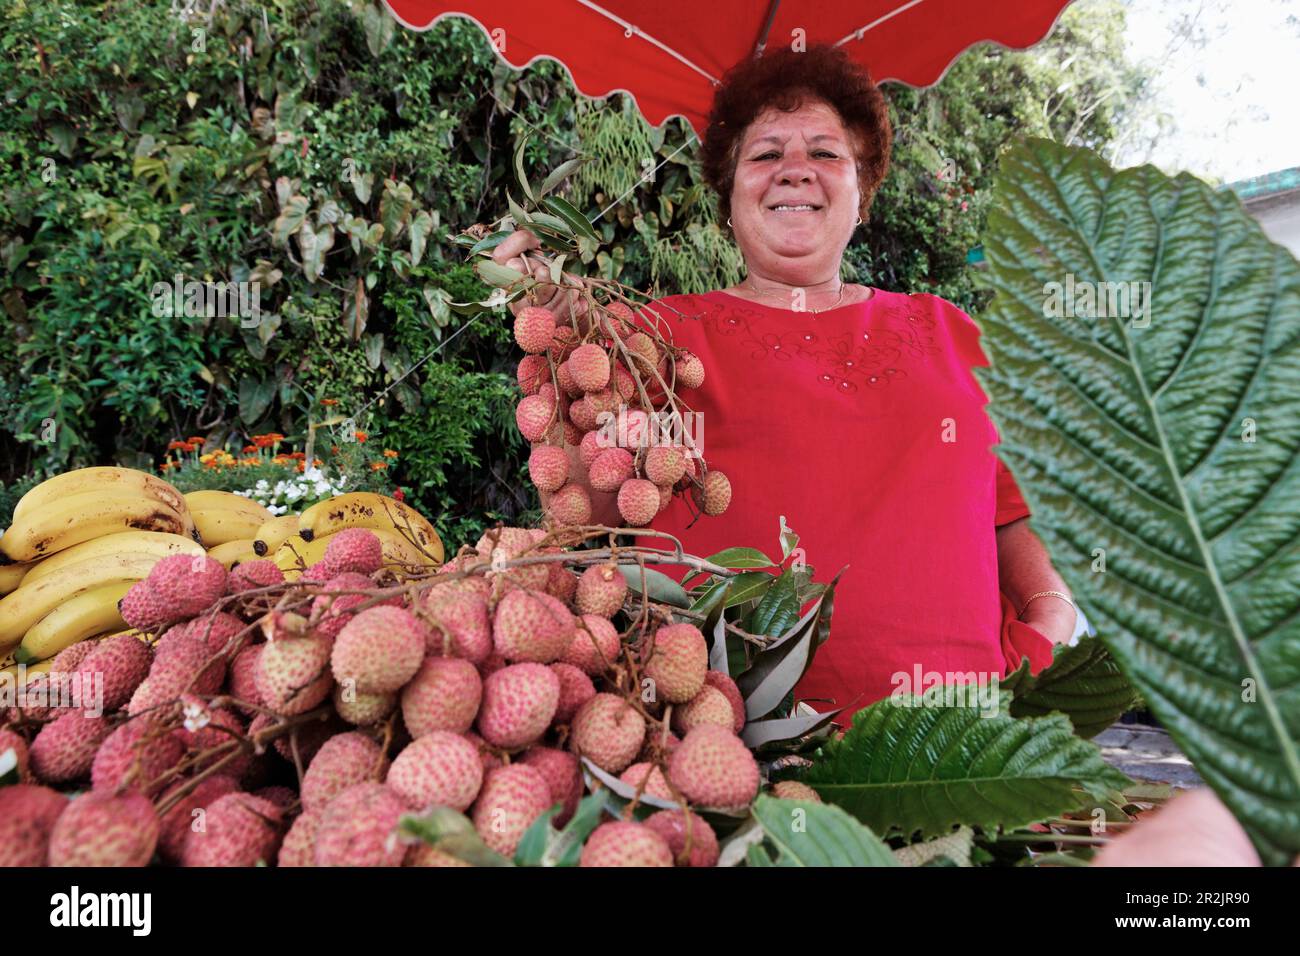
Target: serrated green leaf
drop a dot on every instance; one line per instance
(1130, 437)
(1083, 682)
(778, 608)
(910, 767)
(805, 833)
(779, 667)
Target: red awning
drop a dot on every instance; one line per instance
(669, 54)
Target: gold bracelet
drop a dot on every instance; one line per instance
(1060, 594)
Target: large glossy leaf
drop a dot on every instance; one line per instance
(923, 769)
(803, 833)
(1083, 682)
(1157, 451)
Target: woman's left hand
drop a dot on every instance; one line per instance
(1052, 618)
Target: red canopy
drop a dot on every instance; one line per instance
(669, 54)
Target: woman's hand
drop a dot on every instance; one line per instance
(1051, 617)
(518, 251)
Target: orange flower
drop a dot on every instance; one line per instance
(334, 449)
(302, 466)
(281, 460)
(300, 456)
(196, 441)
(378, 465)
(316, 462)
(361, 437)
(389, 453)
(329, 401)
(249, 449)
(175, 445)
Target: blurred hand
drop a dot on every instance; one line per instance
(1052, 618)
(1193, 829)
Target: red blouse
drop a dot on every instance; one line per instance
(863, 427)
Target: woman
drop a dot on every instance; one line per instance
(850, 413)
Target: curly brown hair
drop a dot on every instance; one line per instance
(784, 79)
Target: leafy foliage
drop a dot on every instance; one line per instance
(917, 767)
(1083, 682)
(1157, 448)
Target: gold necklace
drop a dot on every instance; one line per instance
(838, 299)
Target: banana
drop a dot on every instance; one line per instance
(274, 533)
(364, 509)
(208, 500)
(233, 552)
(107, 480)
(26, 672)
(399, 550)
(123, 542)
(222, 525)
(12, 575)
(26, 606)
(89, 613)
(286, 558)
(59, 525)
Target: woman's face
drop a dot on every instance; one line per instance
(795, 197)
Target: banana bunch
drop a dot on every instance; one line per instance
(274, 533)
(222, 517)
(234, 552)
(89, 503)
(77, 599)
(364, 509)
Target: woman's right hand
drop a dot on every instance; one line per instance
(516, 251)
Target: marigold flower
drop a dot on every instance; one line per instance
(207, 458)
(361, 437)
(399, 494)
(249, 449)
(389, 453)
(302, 466)
(378, 465)
(334, 449)
(197, 441)
(316, 462)
(300, 456)
(176, 445)
(329, 401)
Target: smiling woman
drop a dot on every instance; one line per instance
(847, 413)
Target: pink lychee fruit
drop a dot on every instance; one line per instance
(380, 649)
(519, 702)
(28, 813)
(709, 706)
(440, 769)
(595, 645)
(531, 626)
(100, 829)
(187, 813)
(299, 845)
(510, 799)
(343, 760)
(602, 589)
(64, 749)
(720, 681)
(187, 584)
(293, 673)
(608, 731)
(576, 689)
(623, 843)
(534, 329)
(655, 786)
(638, 502)
(589, 366)
(713, 768)
(795, 790)
(251, 575)
(563, 776)
(135, 756)
(358, 828)
(681, 828)
(548, 467)
(238, 829)
(444, 694)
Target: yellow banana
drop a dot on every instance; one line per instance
(364, 509)
(26, 606)
(233, 552)
(158, 543)
(12, 575)
(107, 480)
(23, 673)
(228, 500)
(274, 533)
(399, 550)
(89, 613)
(223, 525)
(286, 558)
(59, 525)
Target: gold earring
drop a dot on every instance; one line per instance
(729, 225)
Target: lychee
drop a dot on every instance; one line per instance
(602, 588)
(64, 749)
(563, 776)
(612, 467)
(655, 786)
(533, 370)
(622, 843)
(361, 709)
(100, 829)
(795, 790)
(590, 448)
(122, 663)
(548, 467)
(608, 731)
(715, 495)
(713, 768)
(571, 505)
(638, 502)
(243, 676)
(380, 649)
(709, 706)
(28, 813)
(677, 661)
(690, 370)
(533, 415)
(357, 828)
(720, 681)
(440, 769)
(589, 366)
(293, 673)
(187, 584)
(299, 845)
(519, 703)
(425, 854)
(142, 608)
(582, 416)
(135, 756)
(444, 694)
(561, 583)
(221, 633)
(177, 822)
(534, 329)
(238, 829)
(343, 760)
(665, 465)
(531, 626)
(510, 799)
(595, 645)
(682, 827)
(462, 626)
(251, 575)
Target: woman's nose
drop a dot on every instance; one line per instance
(795, 170)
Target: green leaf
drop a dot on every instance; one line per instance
(520, 176)
(912, 766)
(558, 175)
(740, 558)
(760, 733)
(572, 216)
(1083, 682)
(420, 228)
(379, 27)
(779, 667)
(805, 833)
(780, 606)
(290, 220)
(255, 398)
(955, 846)
(532, 845)
(499, 276)
(1131, 438)
(658, 586)
(452, 833)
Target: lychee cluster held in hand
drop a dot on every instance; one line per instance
(608, 394)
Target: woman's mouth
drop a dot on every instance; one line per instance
(794, 207)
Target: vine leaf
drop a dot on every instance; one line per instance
(1145, 381)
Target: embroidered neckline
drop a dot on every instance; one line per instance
(871, 300)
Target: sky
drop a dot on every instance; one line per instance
(1232, 92)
